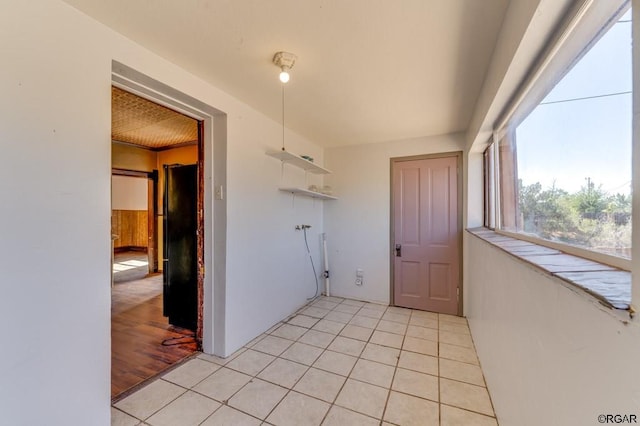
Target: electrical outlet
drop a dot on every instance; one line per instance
(359, 277)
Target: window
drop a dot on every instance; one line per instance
(563, 158)
(488, 158)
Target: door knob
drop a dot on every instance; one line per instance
(398, 250)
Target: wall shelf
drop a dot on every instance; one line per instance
(298, 161)
(306, 165)
(307, 193)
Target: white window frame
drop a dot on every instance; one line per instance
(575, 35)
(490, 186)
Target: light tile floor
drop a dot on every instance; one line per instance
(335, 362)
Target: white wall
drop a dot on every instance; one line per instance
(551, 355)
(524, 31)
(358, 224)
(54, 249)
(268, 270)
(55, 135)
(129, 193)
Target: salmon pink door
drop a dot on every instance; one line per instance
(426, 246)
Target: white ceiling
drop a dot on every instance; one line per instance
(367, 70)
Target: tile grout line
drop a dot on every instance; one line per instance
(309, 368)
(345, 381)
(470, 411)
(267, 381)
(438, 376)
(348, 376)
(332, 404)
(484, 380)
(358, 358)
(291, 389)
(350, 372)
(395, 370)
(226, 401)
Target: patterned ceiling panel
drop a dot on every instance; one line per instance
(141, 122)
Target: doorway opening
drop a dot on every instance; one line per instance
(157, 278)
(134, 199)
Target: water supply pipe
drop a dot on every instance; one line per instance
(327, 284)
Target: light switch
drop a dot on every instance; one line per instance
(219, 193)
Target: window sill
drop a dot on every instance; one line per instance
(611, 286)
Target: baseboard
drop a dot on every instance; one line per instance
(129, 248)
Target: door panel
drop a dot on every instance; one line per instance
(439, 226)
(411, 207)
(425, 208)
(180, 295)
(410, 274)
(439, 278)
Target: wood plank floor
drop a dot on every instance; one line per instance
(138, 330)
(130, 266)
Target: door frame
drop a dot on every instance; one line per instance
(152, 208)
(214, 212)
(459, 188)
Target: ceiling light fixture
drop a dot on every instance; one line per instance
(285, 61)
